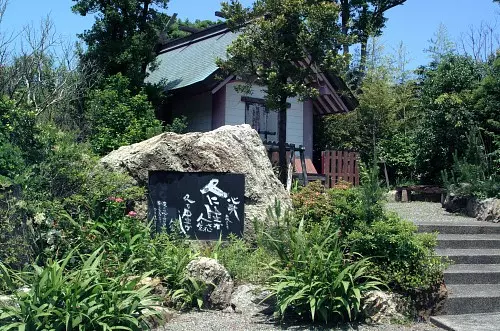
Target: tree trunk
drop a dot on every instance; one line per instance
(346, 15)
(364, 55)
(283, 167)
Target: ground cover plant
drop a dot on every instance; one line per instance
(85, 297)
(313, 275)
(399, 256)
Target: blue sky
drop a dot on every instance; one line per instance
(414, 23)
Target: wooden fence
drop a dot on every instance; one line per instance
(340, 166)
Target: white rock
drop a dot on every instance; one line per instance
(382, 307)
(234, 149)
(216, 278)
(488, 210)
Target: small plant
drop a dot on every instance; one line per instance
(83, 298)
(403, 258)
(170, 256)
(371, 194)
(473, 175)
(313, 276)
(340, 206)
(243, 261)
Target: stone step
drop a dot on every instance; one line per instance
(456, 228)
(468, 241)
(472, 299)
(472, 274)
(468, 322)
(471, 256)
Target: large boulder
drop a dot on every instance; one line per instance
(488, 210)
(217, 280)
(234, 149)
(454, 203)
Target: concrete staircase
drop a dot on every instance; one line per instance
(473, 281)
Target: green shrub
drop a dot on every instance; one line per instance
(371, 194)
(243, 261)
(313, 276)
(15, 249)
(473, 175)
(170, 256)
(338, 206)
(83, 298)
(117, 117)
(404, 259)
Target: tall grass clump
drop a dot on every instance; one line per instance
(313, 275)
(83, 298)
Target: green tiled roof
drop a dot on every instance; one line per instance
(192, 61)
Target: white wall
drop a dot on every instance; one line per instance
(197, 109)
(235, 112)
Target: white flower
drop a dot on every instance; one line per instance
(39, 218)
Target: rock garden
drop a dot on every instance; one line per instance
(315, 257)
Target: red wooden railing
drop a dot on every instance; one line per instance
(340, 166)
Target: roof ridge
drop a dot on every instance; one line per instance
(195, 37)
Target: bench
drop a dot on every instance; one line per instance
(420, 193)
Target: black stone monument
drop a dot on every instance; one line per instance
(200, 205)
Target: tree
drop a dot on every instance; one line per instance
(281, 46)
(382, 126)
(123, 38)
(176, 32)
(117, 117)
(364, 19)
(487, 105)
(447, 113)
(441, 45)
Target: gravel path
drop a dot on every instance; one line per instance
(219, 321)
(248, 316)
(427, 212)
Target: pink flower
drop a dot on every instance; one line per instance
(132, 213)
(118, 200)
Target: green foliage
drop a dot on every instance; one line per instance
(383, 123)
(11, 160)
(117, 117)
(276, 36)
(175, 32)
(178, 125)
(15, 249)
(18, 132)
(487, 104)
(59, 193)
(123, 37)
(371, 194)
(474, 174)
(337, 132)
(447, 113)
(58, 298)
(339, 206)
(401, 257)
(170, 256)
(244, 262)
(313, 277)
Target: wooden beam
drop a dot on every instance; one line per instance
(188, 29)
(259, 101)
(222, 84)
(220, 14)
(324, 106)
